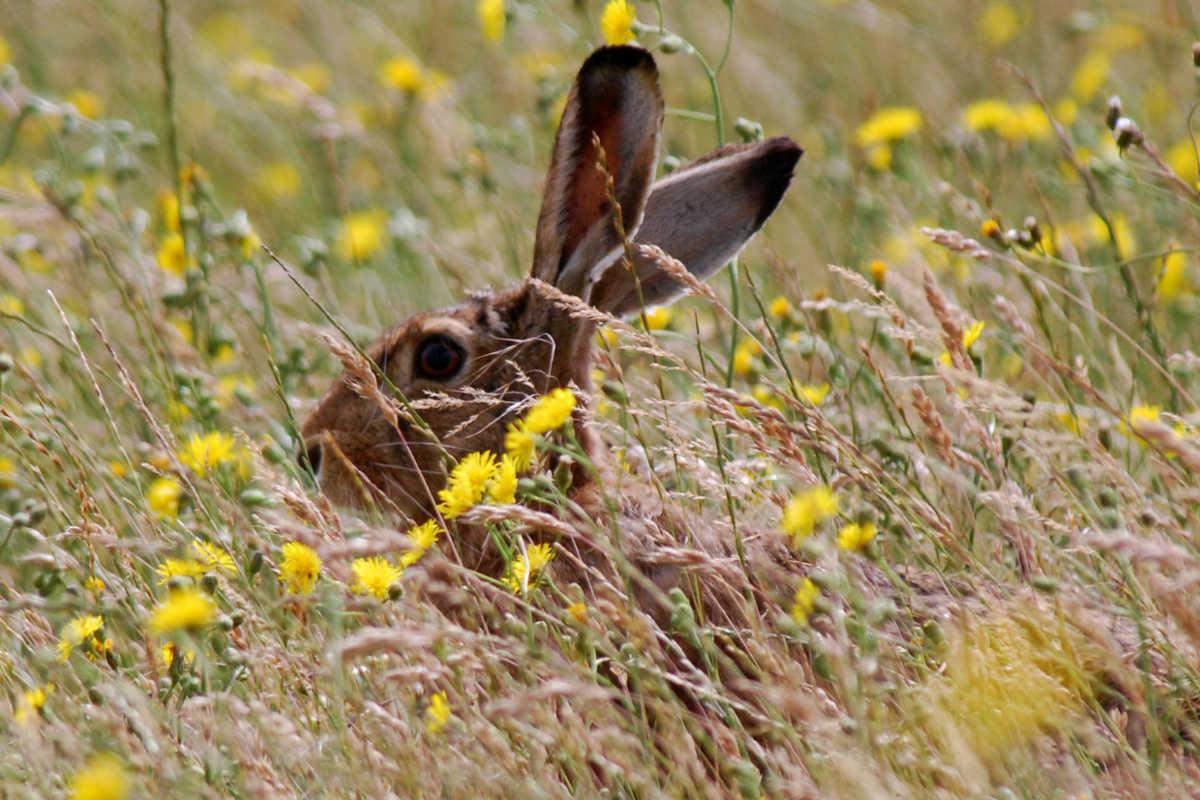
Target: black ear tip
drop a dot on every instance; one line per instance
(620, 56)
(774, 167)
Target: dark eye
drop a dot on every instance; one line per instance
(439, 357)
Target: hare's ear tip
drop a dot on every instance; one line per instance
(772, 170)
(620, 56)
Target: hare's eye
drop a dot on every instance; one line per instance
(439, 357)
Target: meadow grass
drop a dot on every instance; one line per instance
(955, 374)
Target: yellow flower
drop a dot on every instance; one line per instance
(491, 19)
(806, 509)
(374, 576)
(888, 124)
(5, 52)
(989, 228)
(361, 235)
(205, 454)
(163, 497)
(32, 701)
(578, 613)
(1173, 281)
(172, 255)
(503, 489)
(519, 445)
(279, 180)
(855, 536)
(1066, 111)
(1090, 75)
(551, 411)
(8, 473)
(467, 484)
(804, 601)
(878, 270)
(780, 307)
(1069, 421)
(1144, 413)
(11, 305)
(879, 157)
(80, 631)
(971, 334)
(168, 211)
(658, 317)
(212, 558)
(998, 24)
(170, 651)
(102, 778)
(1026, 121)
(402, 73)
(94, 585)
(184, 609)
(1181, 157)
(524, 570)
(814, 393)
(616, 22)
(743, 356)
(178, 568)
(299, 568)
(438, 713)
(420, 539)
(88, 104)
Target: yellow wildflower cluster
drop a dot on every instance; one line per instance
(162, 497)
(806, 509)
(102, 778)
(885, 127)
(374, 576)
(1019, 122)
(184, 609)
(804, 601)
(491, 19)
(527, 566)
(84, 633)
(998, 24)
(300, 567)
(970, 336)
(32, 702)
(549, 413)
(205, 454)
(438, 713)
(476, 477)
(173, 256)
(617, 21)
(856, 536)
(420, 539)
(1174, 282)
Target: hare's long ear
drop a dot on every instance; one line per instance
(701, 215)
(616, 101)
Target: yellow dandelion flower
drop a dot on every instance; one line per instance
(168, 211)
(519, 445)
(299, 568)
(814, 393)
(467, 484)
(804, 601)
(402, 73)
(658, 317)
(806, 509)
(1181, 157)
(551, 411)
(1173, 281)
(878, 270)
(420, 539)
(204, 454)
(856, 536)
(8, 473)
(163, 497)
(1144, 413)
(989, 229)
(780, 307)
(102, 778)
(212, 558)
(503, 489)
(78, 632)
(170, 651)
(617, 20)
(32, 701)
(184, 609)
(94, 585)
(992, 115)
(278, 180)
(998, 23)
(374, 576)
(178, 568)
(362, 235)
(88, 104)
(438, 713)
(491, 19)
(889, 124)
(972, 333)
(1090, 75)
(526, 567)
(743, 356)
(11, 305)
(172, 255)
(578, 612)
(879, 157)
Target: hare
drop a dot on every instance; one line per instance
(497, 350)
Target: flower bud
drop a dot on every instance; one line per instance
(1127, 133)
(1112, 112)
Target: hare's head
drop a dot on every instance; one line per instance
(470, 369)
